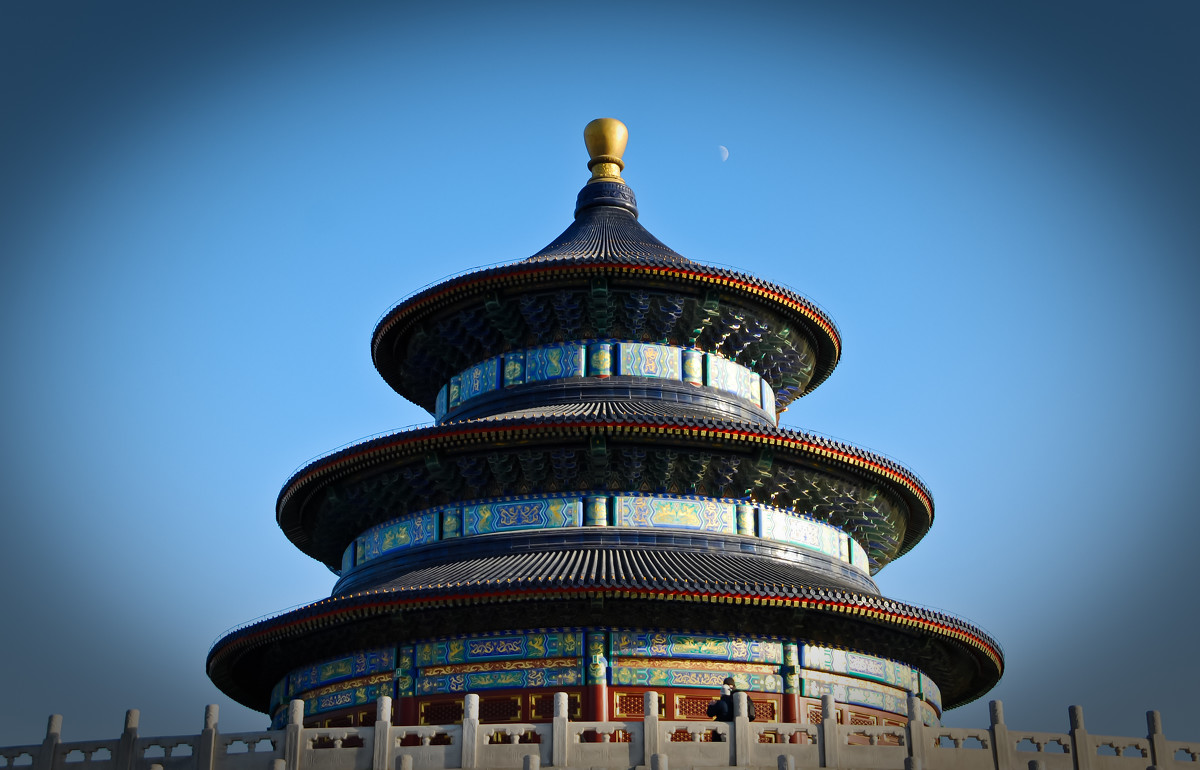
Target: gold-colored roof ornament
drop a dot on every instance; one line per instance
(605, 139)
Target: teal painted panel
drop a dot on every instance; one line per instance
(479, 379)
(440, 406)
(674, 513)
(600, 359)
(638, 359)
(858, 556)
(358, 696)
(408, 532)
(857, 665)
(857, 692)
(438, 684)
(494, 647)
(514, 368)
(360, 664)
(527, 513)
(554, 362)
(650, 676)
(797, 530)
(931, 692)
(692, 362)
(652, 644)
(768, 399)
(451, 522)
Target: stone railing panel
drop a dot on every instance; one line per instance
(176, 752)
(344, 748)
(617, 744)
(509, 751)
(647, 743)
(884, 747)
(704, 744)
(955, 748)
(89, 755)
(1111, 752)
(440, 746)
(797, 742)
(248, 751)
(1180, 754)
(19, 756)
(1053, 750)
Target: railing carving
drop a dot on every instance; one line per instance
(646, 743)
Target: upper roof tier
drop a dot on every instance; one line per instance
(605, 278)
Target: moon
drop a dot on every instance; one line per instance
(724, 152)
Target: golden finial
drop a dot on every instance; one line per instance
(605, 139)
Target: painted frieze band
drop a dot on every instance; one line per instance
(604, 358)
(510, 514)
(569, 657)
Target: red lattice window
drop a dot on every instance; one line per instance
(862, 719)
(441, 712)
(765, 710)
(692, 707)
(542, 706)
(506, 709)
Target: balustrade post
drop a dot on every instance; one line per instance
(1003, 750)
(470, 731)
(46, 757)
(915, 730)
(560, 746)
(1160, 754)
(531, 762)
(128, 743)
(383, 734)
(741, 730)
(293, 740)
(912, 763)
(830, 741)
(1081, 745)
(650, 738)
(659, 762)
(206, 748)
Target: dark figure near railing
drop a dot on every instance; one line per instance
(722, 709)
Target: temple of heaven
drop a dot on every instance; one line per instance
(604, 505)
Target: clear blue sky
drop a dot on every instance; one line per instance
(205, 207)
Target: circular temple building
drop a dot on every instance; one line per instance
(604, 505)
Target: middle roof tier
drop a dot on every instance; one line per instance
(602, 450)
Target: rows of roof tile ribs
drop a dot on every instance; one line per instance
(618, 568)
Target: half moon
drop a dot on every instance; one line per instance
(724, 152)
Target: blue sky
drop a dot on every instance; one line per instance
(205, 208)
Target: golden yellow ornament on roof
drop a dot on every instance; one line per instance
(605, 139)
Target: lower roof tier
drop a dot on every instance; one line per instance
(609, 588)
(325, 506)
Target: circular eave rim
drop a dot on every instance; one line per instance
(889, 613)
(290, 503)
(816, 322)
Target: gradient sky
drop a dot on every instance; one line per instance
(205, 208)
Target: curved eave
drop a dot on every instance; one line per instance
(299, 489)
(975, 648)
(816, 323)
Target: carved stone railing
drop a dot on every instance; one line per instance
(648, 743)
